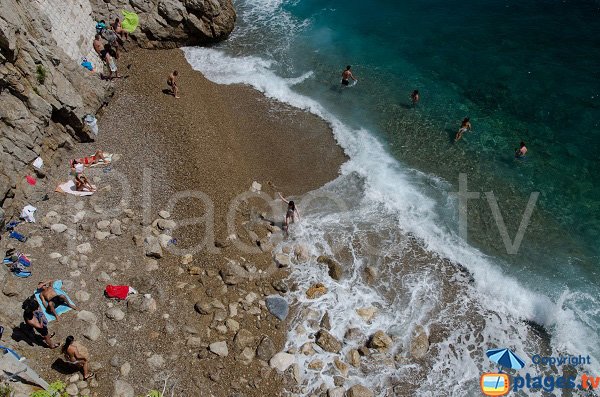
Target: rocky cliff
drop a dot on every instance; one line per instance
(45, 93)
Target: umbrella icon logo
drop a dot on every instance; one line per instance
(506, 358)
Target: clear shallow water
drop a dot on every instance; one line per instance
(523, 70)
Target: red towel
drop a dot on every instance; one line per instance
(31, 180)
(117, 291)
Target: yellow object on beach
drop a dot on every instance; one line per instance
(130, 21)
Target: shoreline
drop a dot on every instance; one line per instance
(215, 142)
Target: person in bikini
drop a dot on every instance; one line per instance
(464, 127)
(77, 354)
(172, 83)
(522, 151)
(51, 299)
(81, 181)
(90, 160)
(347, 75)
(291, 215)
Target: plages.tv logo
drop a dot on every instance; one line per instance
(498, 383)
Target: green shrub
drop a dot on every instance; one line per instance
(40, 73)
(57, 389)
(153, 393)
(5, 390)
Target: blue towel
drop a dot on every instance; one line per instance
(22, 274)
(59, 310)
(11, 351)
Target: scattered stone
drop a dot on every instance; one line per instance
(307, 349)
(87, 317)
(123, 389)
(156, 361)
(283, 260)
(256, 187)
(103, 225)
(165, 224)
(353, 334)
(316, 291)
(325, 322)
(364, 351)
(328, 342)
(282, 361)
(101, 235)
(280, 286)
(359, 391)
(72, 390)
(194, 342)
(115, 314)
(367, 313)
(112, 342)
(84, 248)
(141, 304)
(78, 217)
(55, 255)
(353, 358)
(11, 288)
(151, 265)
(125, 369)
(115, 227)
(219, 348)
(232, 325)
(187, 259)
(35, 241)
(336, 271)
(152, 247)
(419, 344)
(342, 367)
(247, 355)
(336, 392)
(82, 296)
(243, 338)
(103, 277)
(164, 214)
(277, 306)
(229, 275)
(93, 332)
(58, 228)
(203, 308)
(266, 349)
(379, 340)
(316, 365)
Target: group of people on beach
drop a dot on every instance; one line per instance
(415, 97)
(78, 166)
(109, 52)
(34, 317)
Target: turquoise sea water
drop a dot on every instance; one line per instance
(521, 70)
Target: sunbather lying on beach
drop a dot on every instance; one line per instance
(51, 299)
(90, 160)
(81, 181)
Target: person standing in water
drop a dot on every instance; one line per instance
(464, 127)
(291, 215)
(414, 97)
(522, 151)
(172, 83)
(347, 75)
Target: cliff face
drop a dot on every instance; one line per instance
(45, 93)
(171, 23)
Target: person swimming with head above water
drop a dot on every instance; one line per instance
(347, 75)
(464, 127)
(522, 151)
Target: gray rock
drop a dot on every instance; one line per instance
(280, 286)
(87, 317)
(82, 296)
(93, 332)
(123, 389)
(277, 306)
(72, 390)
(100, 235)
(219, 348)
(152, 247)
(164, 214)
(115, 314)
(336, 392)
(156, 361)
(103, 225)
(283, 260)
(282, 361)
(266, 349)
(103, 277)
(359, 391)
(11, 287)
(125, 369)
(84, 248)
(243, 338)
(166, 224)
(35, 241)
(328, 342)
(115, 227)
(141, 304)
(58, 227)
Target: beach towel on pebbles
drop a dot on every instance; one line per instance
(57, 285)
(69, 188)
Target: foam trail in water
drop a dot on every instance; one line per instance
(390, 188)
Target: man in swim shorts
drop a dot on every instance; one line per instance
(172, 83)
(347, 75)
(51, 299)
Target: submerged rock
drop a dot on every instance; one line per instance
(336, 271)
(316, 291)
(328, 342)
(419, 344)
(380, 340)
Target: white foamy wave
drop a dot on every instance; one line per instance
(393, 191)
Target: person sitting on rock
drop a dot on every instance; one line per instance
(76, 354)
(118, 28)
(51, 299)
(36, 319)
(81, 181)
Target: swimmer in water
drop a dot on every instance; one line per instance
(520, 153)
(464, 127)
(414, 97)
(347, 75)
